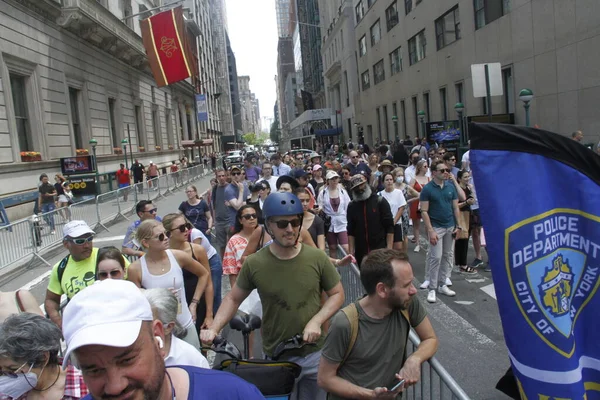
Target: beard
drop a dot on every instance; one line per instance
(150, 387)
(362, 196)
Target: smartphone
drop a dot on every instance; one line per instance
(396, 386)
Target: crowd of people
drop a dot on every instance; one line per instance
(273, 226)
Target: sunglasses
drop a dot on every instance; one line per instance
(354, 157)
(153, 211)
(236, 173)
(283, 223)
(443, 170)
(82, 241)
(114, 274)
(441, 153)
(249, 217)
(161, 237)
(453, 159)
(182, 228)
(13, 374)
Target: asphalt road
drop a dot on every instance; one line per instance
(468, 326)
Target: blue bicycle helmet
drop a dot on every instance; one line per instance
(281, 204)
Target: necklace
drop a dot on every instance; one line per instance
(53, 383)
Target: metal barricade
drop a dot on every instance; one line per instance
(163, 183)
(49, 226)
(85, 211)
(435, 383)
(153, 191)
(20, 240)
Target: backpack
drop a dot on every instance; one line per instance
(352, 314)
(60, 271)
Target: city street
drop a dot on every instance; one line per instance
(468, 326)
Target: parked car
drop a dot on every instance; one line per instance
(234, 158)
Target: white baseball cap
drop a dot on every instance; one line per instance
(331, 174)
(151, 162)
(76, 228)
(108, 313)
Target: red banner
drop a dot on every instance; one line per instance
(164, 38)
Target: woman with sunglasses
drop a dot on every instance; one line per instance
(245, 223)
(161, 267)
(29, 364)
(333, 201)
(110, 264)
(417, 184)
(178, 229)
(311, 222)
(196, 210)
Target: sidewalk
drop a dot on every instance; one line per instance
(106, 211)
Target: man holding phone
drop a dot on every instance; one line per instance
(365, 351)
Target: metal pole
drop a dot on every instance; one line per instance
(97, 181)
(130, 149)
(487, 92)
(125, 156)
(526, 105)
(460, 126)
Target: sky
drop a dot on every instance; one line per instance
(252, 28)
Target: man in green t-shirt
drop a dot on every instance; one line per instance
(377, 360)
(290, 278)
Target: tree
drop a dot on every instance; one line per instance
(253, 139)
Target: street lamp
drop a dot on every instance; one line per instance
(94, 143)
(421, 115)
(526, 95)
(459, 108)
(124, 143)
(395, 121)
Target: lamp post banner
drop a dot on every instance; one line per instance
(201, 107)
(543, 239)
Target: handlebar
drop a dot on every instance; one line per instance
(293, 343)
(223, 346)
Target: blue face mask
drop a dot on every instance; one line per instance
(16, 387)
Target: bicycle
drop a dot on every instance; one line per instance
(275, 379)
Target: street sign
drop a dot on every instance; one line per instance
(83, 186)
(479, 81)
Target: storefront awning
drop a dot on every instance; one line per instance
(328, 132)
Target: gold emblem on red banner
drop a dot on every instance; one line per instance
(167, 45)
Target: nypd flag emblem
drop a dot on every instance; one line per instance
(539, 197)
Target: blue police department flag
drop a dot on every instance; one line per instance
(539, 194)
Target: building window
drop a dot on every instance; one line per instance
(395, 119)
(169, 126)
(427, 106)
(139, 127)
(364, 77)
(416, 47)
(347, 89)
(487, 11)
(127, 11)
(378, 72)
(360, 11)
(362, 46)
(415, 109)
(447, 28)
(378, 115)
(370, 3)
(391, 16)
(375, 33)
(403, 111)
(156, 126)
(112, 123)
(75, 117)
(458, 87)
(410, 5)
(396, 61)
(385, 123)
(507, 82)
(18, 90)
(443, 104)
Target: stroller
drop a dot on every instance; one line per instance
(275, 379)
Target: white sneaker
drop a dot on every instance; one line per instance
(424, 285)
(444, 290)
(431, 296)
(417, 248)
(448, 282)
